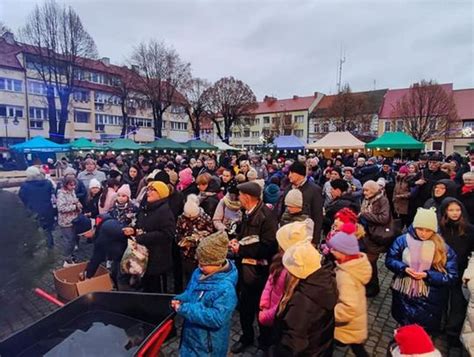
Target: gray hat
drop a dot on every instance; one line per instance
(250, 188)
(294, 198)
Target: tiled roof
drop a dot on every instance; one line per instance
(394, 95)
(464, 100)
(273, 105)
(8, 55)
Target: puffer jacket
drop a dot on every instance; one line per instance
(207, 305)
(451, 191)
(306, 326)
(158, 224)
(68, 207)
(425, 311)
(208, 200)
(271, 297)
(351, 308)
(467, 334)
(401, 194)
(36, 195)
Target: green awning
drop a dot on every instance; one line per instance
(164, 144)
(471, 145)
(395, 140)
(83, 144)
(40, 144)
(124, 144)
(199, 145)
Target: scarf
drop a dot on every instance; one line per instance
(232, 205)
(467, 189)
(367, 204)
(419, 256)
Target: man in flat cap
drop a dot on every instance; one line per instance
(254, 250)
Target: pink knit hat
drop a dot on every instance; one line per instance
(185, 178)
(404, 170)
(125, 190)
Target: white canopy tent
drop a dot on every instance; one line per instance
(337, 140)
(222, 146)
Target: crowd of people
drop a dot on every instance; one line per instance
(294, 243)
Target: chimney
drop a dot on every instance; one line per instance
(105, 61)
(316, 94)
(269, 99)
(295, 97)
(9, 37)
(135, 68)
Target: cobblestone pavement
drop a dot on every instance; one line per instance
(19, 306)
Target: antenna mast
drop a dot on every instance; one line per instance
(342, 59)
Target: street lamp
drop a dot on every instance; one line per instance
(5, 121)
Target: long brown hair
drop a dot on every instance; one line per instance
(441, 253)
(290, 285)
(277, 266)
(110, 183)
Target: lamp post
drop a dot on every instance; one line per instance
(5, 121)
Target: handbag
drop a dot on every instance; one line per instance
(135, 259)
(385, 235)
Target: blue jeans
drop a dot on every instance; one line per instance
(70, 238)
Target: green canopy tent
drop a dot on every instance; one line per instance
(164, 144)
(471, 145)
(40, 144)
(395, 140)
(124, 144)
(84, 144)
(199, 145)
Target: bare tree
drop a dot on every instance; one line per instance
(427, 111)
(59, 43)
(281, 124)
(164, 75)
(229, 99)
(195, 103)
(4, 28)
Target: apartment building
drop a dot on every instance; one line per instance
(274, 117)
(94, 110)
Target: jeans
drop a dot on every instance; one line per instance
(70, 237)
(49, 238)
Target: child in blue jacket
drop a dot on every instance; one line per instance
(209, 300)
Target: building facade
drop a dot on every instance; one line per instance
(94, 111)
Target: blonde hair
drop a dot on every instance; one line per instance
(441, 253)
(291, 282)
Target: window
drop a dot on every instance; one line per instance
(81, 95)
(433, 124)
(287, 132)
(387, 126)
(316, 128)
(266, 132)
(108, 119)
(175, 125)
(325, 127)
(97, 78)
(299, 133)
(36, 124)
(38, 113)
(35, 87)
(246, 133)
(237, 134)
(255, 134)
(11, 111)
(299, 119)
(256, 121)
(100, 127)
(12, 85)
(400, 125)
(81, 117)
(437, 146)
(177, 109)
(141, 122)
(266, 120)
(468, 124)
(287, 119)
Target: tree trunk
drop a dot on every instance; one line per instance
(125, 121)
(158, 119)
(197, 129)
(53, 123)
(226, 132)
(63, 116)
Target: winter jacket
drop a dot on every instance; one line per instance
(355, 187)
(366, 173)
(109, 201)
(467, 199)
(125, 214)
(207, 305)
(68, 207)
(86, 177)
(389, 178)
(425, 311)
(401, 194)
(467, 334)
(463, 245)
(351, 308)
(192, 188)
(262, 172)
(376, 214)
(158, 224)
(224, 217)
(271, 297)
(92, 206)
(176, 203)
(81, 191)
(424, 191)
(189, 231)
(288, 218)
(312, 205)
(346, 200)
(133, 183)
(306, 326)
(36, 195)
(208, 200)
(109, 244)
(451, 191)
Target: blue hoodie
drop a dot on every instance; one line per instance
(207, 305)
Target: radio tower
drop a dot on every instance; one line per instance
(342, 59)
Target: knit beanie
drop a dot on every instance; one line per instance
(114, 173)
(33, 173)
(161, 188)
(426, 218)
(162, 176)
(271, 194)
(339, 184)
(191, 207)
(404, 170)
(295, 232)
(302, 260)
(346, 215)
(186, 177)
(94, 183)
(381, 182)
(413, 340)
(372, 186)
(125, 190)
(294, 198)
(345, 241)
(212, 250)
(298, 168)
(69, 171)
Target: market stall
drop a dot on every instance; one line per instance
(391, 142)
(288, 143)
(339, 141)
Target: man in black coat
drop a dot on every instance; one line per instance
(254, 250)
(312, 197)
(156, 230)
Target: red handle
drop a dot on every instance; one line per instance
(43, 294)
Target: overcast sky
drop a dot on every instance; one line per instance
(289, 47)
